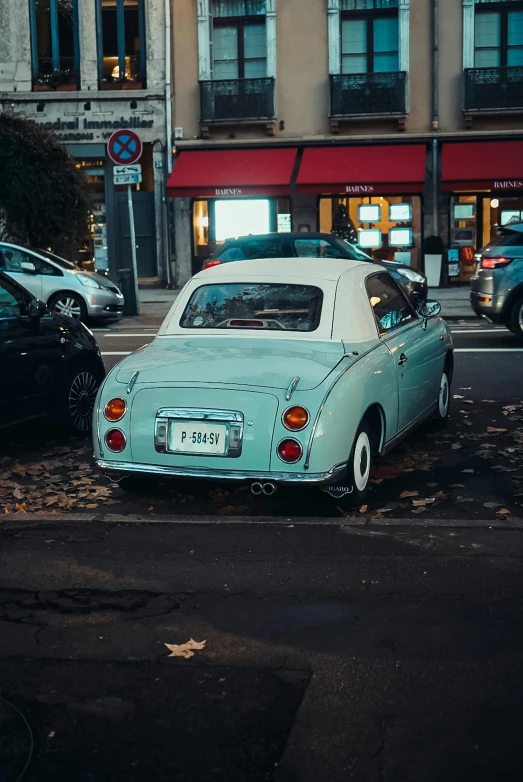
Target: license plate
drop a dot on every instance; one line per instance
(189, 437)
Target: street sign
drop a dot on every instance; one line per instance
(127, 175)
(132, 169)
(127, 179)
(124, 147)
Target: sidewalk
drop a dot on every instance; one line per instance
(455, 302)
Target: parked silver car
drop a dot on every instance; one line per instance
(497, 285)
(66, 289)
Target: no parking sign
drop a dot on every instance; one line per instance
(124, 147)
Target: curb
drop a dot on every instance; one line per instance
(54, 519)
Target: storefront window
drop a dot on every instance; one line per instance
(474, 222)
(218, 219)
(93, 254)
(386, 227)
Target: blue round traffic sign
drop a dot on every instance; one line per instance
(124, 146)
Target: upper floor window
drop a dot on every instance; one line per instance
(369, 36)
(239, 39)
(121, 44)
(498, 33)
(54, 44)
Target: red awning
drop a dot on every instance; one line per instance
(483, 165)
(383, 169)
(232, 173)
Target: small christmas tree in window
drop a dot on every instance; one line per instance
(343, 226)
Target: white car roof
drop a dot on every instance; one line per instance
(313, 269)
(342, 281)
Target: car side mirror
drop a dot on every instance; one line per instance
(36, 309)
(28, 267)
(428, 309)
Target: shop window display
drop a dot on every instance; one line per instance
(387, 227)
(474, 222)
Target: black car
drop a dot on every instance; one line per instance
(318, 245)
(50, 365)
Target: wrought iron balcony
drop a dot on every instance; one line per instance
(367, 94)
(236, 99)
(494, 89)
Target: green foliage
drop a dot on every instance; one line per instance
(43, 196)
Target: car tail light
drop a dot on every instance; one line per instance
(209, 264)
(289, 451)
(115, 440)
(495, 263)
(115, 409)
(295, 418)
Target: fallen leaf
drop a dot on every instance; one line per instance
(489, 401)
(409, 494)
(455, 446)
(185, 650)
(503, 512)
(440, 496)
(457, 486)
(494, 430)
(458, 396)
(468, 402)
(364, 508)
(491, 504)
(464, 499)
(469, 471)
(92, 505)
(384, 510)
(363, 581)
(466, 388)
(18, 494)
(421, 509)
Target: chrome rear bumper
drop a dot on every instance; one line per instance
(335, 473)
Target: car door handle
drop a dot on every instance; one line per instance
(403, 360)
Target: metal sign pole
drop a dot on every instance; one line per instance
(133, 248)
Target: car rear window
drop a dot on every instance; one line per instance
(508, 239)
(253, 249)
(272, 306)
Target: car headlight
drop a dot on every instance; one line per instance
(88, 281)
(411, 275)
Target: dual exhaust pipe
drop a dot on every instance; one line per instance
(268, 489)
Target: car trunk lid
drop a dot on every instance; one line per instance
(249, 362)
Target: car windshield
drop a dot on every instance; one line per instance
(254, 306)
(57, 259)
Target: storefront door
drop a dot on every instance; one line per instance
(144, 226)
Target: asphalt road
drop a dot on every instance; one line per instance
(332, 652)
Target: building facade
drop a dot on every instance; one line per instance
(396, 122)
(83, 69)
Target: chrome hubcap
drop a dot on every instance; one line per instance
(68, 306)
(362, 461)
(443, 399)
(520, 318)
(82, 395)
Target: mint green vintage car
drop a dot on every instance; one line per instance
(280, 371)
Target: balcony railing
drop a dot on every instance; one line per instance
(361, 94)
(236, 99)
(494, 89)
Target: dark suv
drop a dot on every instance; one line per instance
(307, 245)
(497, 285)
